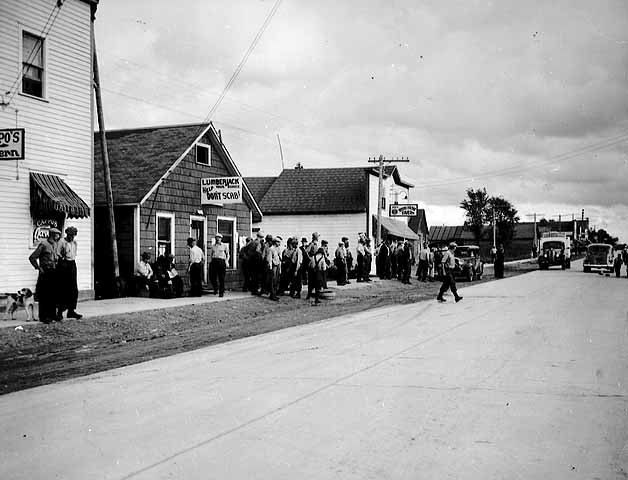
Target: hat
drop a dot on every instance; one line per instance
(260, 234)
(71, 231)
(324, 242)
(344, 239)
(453, 245)
(54, 230)
(304, 240)
(218, 235)
(277, 239)
(145, 254)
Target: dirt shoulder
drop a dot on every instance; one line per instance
(43, 354)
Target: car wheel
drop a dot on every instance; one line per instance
(587, 269)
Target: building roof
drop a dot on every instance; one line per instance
(138, 158)
(418, 224)
(449, 234)
(317, 190)
(259, 185)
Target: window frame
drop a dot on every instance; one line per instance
(200, 218)
(233, 253)
(44, 68)
(209, 154)
(171, 217)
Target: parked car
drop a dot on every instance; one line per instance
(469, 265)
(599, 257)
(554, 251)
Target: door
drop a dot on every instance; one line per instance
(197, 231)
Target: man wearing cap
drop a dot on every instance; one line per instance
(219, 258)
(44, 260)
(66, 270)
(449, 282)
(341, 264)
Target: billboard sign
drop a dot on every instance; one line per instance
(12, 144)
(221, 190)
(405, 210)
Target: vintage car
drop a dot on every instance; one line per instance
(599, 257)
(554, 251)
(469, 265)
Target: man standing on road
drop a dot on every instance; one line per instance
(66, 267)
(449, 282)
(195, 268)
(498, 266)
(219, 256)
(424, 257)
(46, 289)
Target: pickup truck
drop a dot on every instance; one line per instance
(554, 251)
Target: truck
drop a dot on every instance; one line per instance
(599, 257)
(554, 250)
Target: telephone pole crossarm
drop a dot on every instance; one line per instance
(380, 161)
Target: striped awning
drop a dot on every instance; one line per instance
(396, 228)
(50, 194)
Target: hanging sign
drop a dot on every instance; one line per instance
(12, 144)
(221, 190)
(405, 210)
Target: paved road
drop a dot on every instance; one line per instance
(525, 379)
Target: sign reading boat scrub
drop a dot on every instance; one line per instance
(221, 190)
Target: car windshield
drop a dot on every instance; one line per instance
(599, 249)
(553, 245)
(467, 252)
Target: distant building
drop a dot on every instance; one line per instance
(336, 202)
(158, 176)
(46, 84)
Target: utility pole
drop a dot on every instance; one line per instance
(494, 243)
(536, 240)
(105, 161)
(381, 160)
(560, 216)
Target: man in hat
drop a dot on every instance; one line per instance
(66, 270)
(340, 259)
(195, 268)
(44, 260)
(256, 264)
(219, 259)
(449, 282)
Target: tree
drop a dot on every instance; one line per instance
(505, 218)
(602, 236)
(475, 207)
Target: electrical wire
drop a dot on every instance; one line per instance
(54, 13)
(246, 56)
(559, 158)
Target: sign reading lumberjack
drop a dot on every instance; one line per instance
(12, 144)
(406, 210)
(221, 190)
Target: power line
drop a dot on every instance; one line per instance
(35, 51)
(246, 56)
(608, 143)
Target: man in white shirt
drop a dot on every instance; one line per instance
(66, 268)
(219, 259)
(449, 282)
(195, 268)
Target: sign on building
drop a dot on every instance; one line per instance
(405, 210)
(221, 190)
(12, 144)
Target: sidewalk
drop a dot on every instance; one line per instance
(117, 306)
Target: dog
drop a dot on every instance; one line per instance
(23, 298)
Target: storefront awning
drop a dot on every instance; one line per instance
(397, 228)
(50, 194)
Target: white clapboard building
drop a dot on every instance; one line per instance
(46, 152)
(335, 202)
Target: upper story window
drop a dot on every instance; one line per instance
(203, 154)
(32, 65)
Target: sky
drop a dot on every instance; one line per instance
(528, 99)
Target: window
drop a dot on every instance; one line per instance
(165, 234)
(227, 227)
(203, 154)
(32, 65)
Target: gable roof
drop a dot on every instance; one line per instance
(138, 158)
(141, 159)
(418, 224)
(317, 190)
(259, 186)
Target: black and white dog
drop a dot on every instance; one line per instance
(23, 298)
